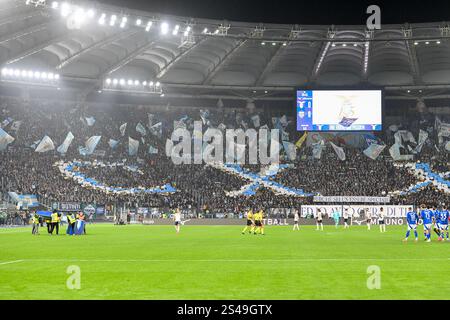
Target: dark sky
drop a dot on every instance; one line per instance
(299, 11)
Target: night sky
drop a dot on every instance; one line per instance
(296, 12)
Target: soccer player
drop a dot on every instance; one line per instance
(368, 218)
(296, 219)
(443, 222)
(336, 217)
(346, 216)
(259, 227)
(177, 218)
(435, 213)
(412, 218)
(35, 221)
(258, 222)
(381, 221)
(250, 223)
(319, 220)
(427, 219)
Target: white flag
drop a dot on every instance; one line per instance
(291, 150)
(45, 145)
(374, 150)
(339, 151)
(122, 129)
(66, 144)
(5, 139)
(133, 146)
(141, 129)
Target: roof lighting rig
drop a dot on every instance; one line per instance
(27, 76)
(133, 86)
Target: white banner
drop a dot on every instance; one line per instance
(354, 210)
(352, 199)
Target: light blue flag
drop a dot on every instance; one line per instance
(90, 145)
(374, 150)
(5, 139)
(290, 150)
(45, 145)
(133, 146)
(156, 129)
(141, 129)
(152, 150)
(122, 129)
(66, 144)
(113, 143)
(90, 121)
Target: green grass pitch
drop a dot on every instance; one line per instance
(218, 262)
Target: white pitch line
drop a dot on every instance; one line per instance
(234, 260)
(9, 262)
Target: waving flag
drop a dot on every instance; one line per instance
(339, 151)
(151, 117)
(317, 149)
(90, 121)
(290, 150)
(423, 137)
(300, 141)
(66, 144)
(374, 150)
(141, 129)
(113, 143)
(156, 129)
(122, 129)
(5, 139)
(370, 139)
(204, 114)
(133, 146)
(90, 145)
(284, 136)
(45, 145)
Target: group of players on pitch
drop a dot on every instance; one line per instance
(438, 219)
(255, 223)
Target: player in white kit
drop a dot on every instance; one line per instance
(381, 221)
(319, 220)
(346, 217)
(368, 218)
(177, 218)
(296, 219)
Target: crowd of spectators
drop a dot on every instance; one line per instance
(25, 171)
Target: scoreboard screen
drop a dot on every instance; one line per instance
(339, 110)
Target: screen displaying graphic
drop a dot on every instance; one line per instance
(339, 110)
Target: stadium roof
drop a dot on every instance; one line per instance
(211, 57)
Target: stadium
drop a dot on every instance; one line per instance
(311, 151)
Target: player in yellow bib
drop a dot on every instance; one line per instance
(259, 226)
(250, 223)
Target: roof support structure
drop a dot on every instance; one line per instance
(127, 59)
(26, 31)
(96, 45)
(168, 66)
(213, 73)
(269, 66)
(36, 49)
(415, 70)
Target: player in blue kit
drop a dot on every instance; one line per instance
(435, 221)
(443, 223)
(412, 218)
(427, 219)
